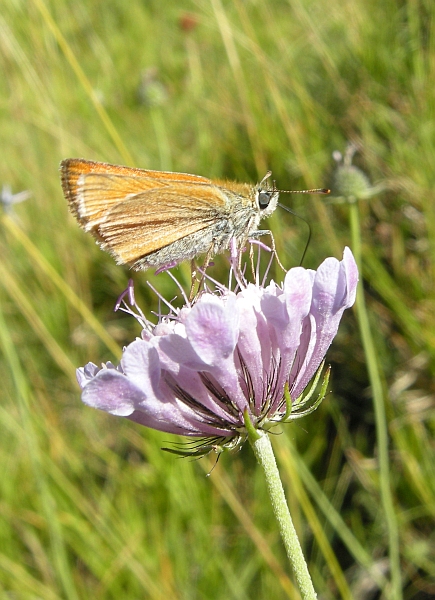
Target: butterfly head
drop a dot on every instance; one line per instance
(266, 196)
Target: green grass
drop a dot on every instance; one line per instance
(89, 505)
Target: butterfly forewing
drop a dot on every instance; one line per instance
(134, 212)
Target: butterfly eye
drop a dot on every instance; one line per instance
(264, 199)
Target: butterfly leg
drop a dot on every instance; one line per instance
(272, 243)
(251, 260)
(196, 280)
(194, 283)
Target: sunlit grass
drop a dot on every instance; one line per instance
(90, 506)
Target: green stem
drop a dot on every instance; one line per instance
(380, 413)
(262, 447)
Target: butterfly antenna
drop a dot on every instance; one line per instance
(313, 191)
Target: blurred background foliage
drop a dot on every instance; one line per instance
(89, 505)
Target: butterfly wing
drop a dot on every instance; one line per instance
(156, 219)
(133, 212)
(91, 188)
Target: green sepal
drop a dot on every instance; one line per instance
(253, 434)
(302, 400)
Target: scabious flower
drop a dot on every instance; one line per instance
(202, 370)
(350, 184)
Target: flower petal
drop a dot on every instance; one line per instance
(140, 363)
(255, 345)
(352, 276)
(334, 290)
(180, 352)
(212, 328)
(297, 293)
(111, 391)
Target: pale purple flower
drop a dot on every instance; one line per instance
(8, 199)
(201, 368)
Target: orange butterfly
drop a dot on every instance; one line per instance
(157, 218)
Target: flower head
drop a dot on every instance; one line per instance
(8, 199)
(349, 183)
(205, 368)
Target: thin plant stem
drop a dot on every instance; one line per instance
(380, 413)
(263, 451)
